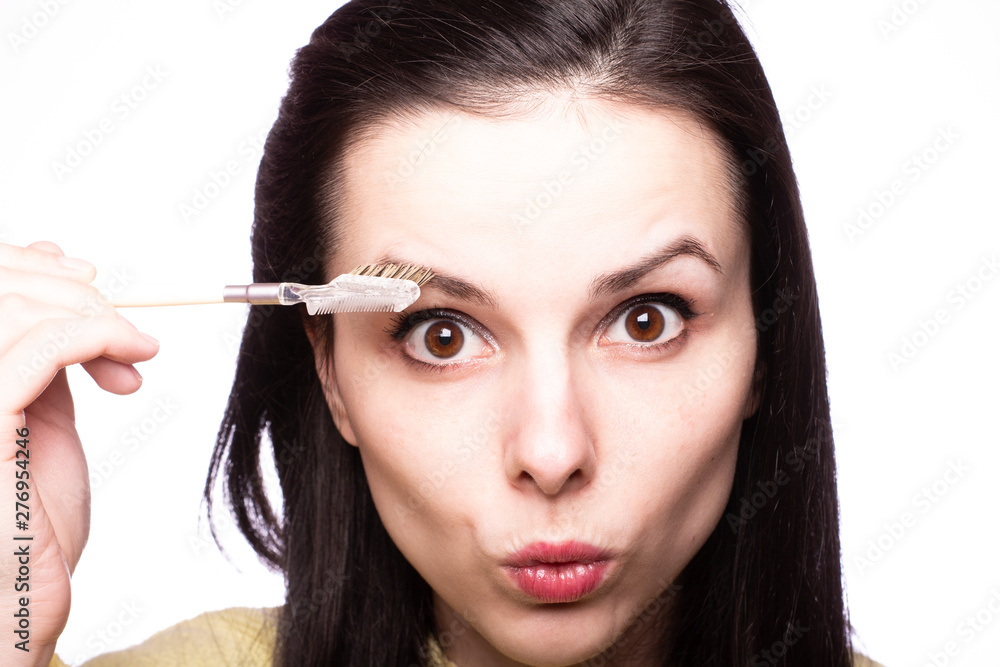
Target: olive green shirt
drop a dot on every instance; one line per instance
(240, 636)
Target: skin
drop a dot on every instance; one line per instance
(552, 423)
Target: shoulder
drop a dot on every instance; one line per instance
(235, 636)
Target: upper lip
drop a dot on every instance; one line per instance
(540, 553)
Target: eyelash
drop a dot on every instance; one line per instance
(403, 323)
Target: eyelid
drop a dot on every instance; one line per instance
(407, 324)
(680, 304)
(404, 322)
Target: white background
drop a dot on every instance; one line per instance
(859, 100)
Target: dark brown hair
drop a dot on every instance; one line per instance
(766, 587)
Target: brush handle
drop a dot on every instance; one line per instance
(173, 295)
(167, 295)
(345, 294)
(258, 293)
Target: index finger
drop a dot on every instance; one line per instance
(40, 258)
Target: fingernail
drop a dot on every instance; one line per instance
(135, 373)
(76, 264)
(149, 339)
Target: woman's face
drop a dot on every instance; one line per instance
(552, 434)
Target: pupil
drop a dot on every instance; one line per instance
(645, 324)
(443, 340)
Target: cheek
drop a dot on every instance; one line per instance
(679, 425)
(420, 451)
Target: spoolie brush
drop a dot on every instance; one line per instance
(368, 288)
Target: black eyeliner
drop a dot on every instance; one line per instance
(685, 307)
(403, 322)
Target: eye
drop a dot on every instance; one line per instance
(649, 321)
(436, 339)
(433, 340)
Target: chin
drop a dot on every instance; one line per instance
(547, 639)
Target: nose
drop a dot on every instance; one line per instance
(550, 445)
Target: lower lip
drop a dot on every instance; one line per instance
(559, 582)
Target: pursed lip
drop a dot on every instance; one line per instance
(540, 553)
(558, 573)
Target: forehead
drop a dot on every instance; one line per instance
(593, 182)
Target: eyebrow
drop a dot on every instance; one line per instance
(616, 281)
(602, 285)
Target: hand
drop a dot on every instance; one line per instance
(50, 317)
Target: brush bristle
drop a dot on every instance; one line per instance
(416, 273)
(358, 304)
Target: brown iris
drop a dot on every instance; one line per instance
(444, 339)
(644, 324)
